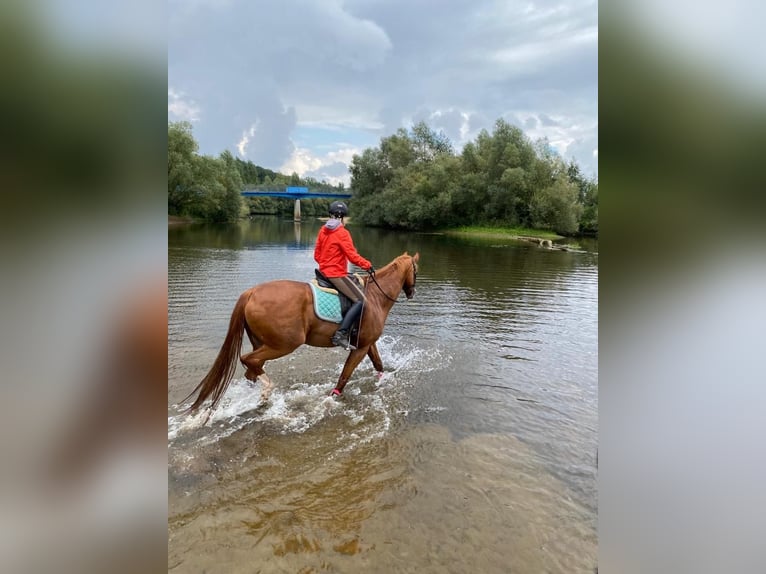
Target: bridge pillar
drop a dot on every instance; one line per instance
(297, 210)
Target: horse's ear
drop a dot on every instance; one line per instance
(405, 253)
(416, 257)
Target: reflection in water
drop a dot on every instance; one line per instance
(246, 234)
(297, 229)
(475, 452)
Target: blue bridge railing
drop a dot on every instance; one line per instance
(295, 193)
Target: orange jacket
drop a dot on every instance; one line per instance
(334, 249)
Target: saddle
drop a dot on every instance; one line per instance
(329, 303)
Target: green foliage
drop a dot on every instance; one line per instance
(231, 203)
(181, 157)
(589, 219)
(555, 207)
(587, 197)
(427, 144)
(211, 188)
(414, 180)
(201, 186)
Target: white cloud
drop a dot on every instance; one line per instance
(344, 155)
(571, 136)
(465, 126)
(300, 162)
(246, 136)
(331, 166)
(182, 108)
(373, 67)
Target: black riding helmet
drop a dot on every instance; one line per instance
(338, 209)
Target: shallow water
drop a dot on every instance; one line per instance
(475, 452)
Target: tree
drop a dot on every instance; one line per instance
(370, 173)
(230, 204)
(412, 180)
(182, 149)
(589, 219)
(207, 189)
(428, 144)
(556, 207)
(397, 150)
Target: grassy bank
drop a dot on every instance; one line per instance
(507, 232)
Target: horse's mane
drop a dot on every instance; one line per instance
(394, 264)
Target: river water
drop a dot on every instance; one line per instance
(476, 451)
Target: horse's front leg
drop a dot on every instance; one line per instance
(354, 358)
(375, 358)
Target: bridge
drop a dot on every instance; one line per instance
(296, 193)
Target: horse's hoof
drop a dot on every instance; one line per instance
(380, 375)
(335, 393)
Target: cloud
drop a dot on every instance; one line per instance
(256, 64)
(377, 66)
(180, 108)
(585, 152)
(242, 145)
(334, 173)
(266, 141)
(452, 122)
(331, 166)
(547, 121)
(300, 162)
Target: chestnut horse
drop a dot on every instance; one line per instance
(278, 317)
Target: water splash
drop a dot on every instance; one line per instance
(302, 405)
(294, 409)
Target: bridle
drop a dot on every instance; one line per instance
(414, 282)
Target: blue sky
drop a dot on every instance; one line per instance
(303, 85)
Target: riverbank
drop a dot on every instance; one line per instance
(540, 237)
(178, 220)
(505, 232)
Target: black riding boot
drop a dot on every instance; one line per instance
(340, 338)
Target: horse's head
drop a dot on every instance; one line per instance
(411, 276)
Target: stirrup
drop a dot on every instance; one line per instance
(343, 341)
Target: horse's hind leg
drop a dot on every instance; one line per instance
(266, 387)
(254, 362)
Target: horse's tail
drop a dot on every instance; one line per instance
(218, 378)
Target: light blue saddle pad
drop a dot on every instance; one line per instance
(326, 304)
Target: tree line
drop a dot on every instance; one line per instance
(201, 186)
(413, 180)
(209, 188)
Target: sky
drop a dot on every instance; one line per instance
(303, 85)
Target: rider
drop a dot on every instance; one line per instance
(334, 249)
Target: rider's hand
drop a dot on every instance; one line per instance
(371, 270)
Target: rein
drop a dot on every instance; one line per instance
(374, 280)
(372, 276)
